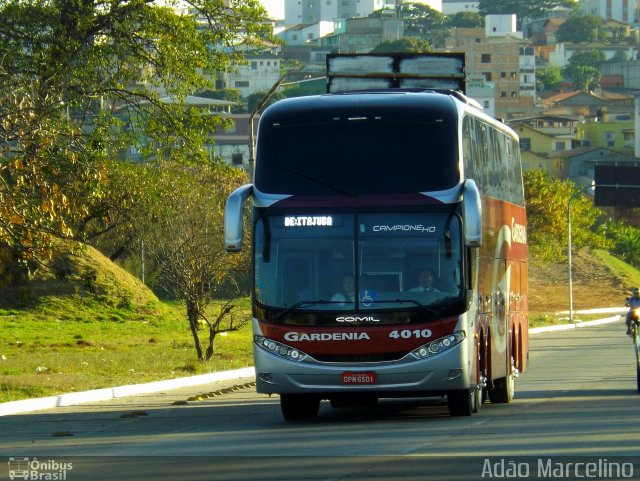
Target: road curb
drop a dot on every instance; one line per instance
(575, 325)
(95, 395)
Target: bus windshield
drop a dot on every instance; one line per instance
(367, 154)
(358, 262)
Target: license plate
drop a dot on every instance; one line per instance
(359, 378)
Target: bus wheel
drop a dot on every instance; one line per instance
(479, 391)
(479, 399)
(462, 403)
(504, 388)
(296, 407)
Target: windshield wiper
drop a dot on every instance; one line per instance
(320, 182)
(297, 305)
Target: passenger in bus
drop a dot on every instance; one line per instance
(348, 292)
(425, 282)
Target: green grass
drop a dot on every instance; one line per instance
(60, 335)
(629, 274)
(85, 346)
(542, 320)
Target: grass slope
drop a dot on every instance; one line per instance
(88, 324)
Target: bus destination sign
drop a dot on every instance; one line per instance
(308, 221)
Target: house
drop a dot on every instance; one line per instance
(579, 164)
(260, 73)
(533, 161)
(616, 135)
(543, 31)
(232, 144)
(564, 51)
(576, 103)
(361, 35)
(538, 148)
(558, 125)
(306, 33)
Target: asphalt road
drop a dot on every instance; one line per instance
(577, 403)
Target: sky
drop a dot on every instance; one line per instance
(274, 7)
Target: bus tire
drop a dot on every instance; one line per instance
(297, 407)
(478, 399)
(462, 403)
(504, 388)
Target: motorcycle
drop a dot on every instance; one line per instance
(634, 331)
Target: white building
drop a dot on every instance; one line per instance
(305, 33)
(451, 7)
(621, 10)
(312, 11)
(482, 92)
(259, 74)
(563, 51)
(501, 26)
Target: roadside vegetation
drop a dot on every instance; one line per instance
(60, 332)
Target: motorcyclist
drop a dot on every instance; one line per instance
(632, 303)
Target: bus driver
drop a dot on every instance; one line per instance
(425, 280)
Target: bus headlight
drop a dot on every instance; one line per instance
(281, 350)
(439, 345)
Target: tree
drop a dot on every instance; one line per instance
(425, 22)
(625, 239)
(584, 69)
(588, 58)
(230, 95)
(466, 20)
(579, 28)
(548, 78)
(547, 204)
(406, 44)
(254, 99)
(79, 82)
(585, 78)
(522, 8)
(182, 223)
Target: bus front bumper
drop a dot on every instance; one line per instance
(439, 374)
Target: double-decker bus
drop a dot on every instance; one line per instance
(389, 246)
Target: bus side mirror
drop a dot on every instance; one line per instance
(233, 211)
(472, 211)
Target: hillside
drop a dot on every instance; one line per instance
(599, 280)
(85, 273)
(84, 323)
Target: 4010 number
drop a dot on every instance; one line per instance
(411, 334)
